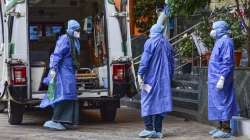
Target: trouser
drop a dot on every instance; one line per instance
(66, 112)
(153, 122)
(225, 126)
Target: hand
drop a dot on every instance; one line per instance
(52, 73)
(167, 10)
(220, 83)
(140, 81)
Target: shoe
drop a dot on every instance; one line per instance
(157, 135)
(221, 134)
(213, 131)
(146, 134)
(53, 125)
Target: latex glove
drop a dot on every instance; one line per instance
(220, 83)
(167, 10)
(52, 73)
(140, 81)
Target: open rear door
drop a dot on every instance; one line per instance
(119, 40)
(17, 20)
(1, 50)
(130, 20)
(16, 34)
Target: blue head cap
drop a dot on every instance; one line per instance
(73, 25)
(221, 27)
(156, 30)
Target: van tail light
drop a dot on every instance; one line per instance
(119, 72)
(19, 75)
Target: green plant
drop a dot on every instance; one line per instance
(186, 47)
(145, 14)
(225, 14)
(238, 35)
(203, 32)
(186, 7)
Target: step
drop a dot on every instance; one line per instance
(186, 100)
(186, 90)
(185, 113)
(186, 103)
(186, 94)
(185, 84)
(188, 81)
(188, 77)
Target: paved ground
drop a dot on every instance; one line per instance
(128, 124)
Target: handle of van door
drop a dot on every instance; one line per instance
(119, 14)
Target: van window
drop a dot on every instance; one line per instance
(53, 30)
(35, 32)
(40, 30)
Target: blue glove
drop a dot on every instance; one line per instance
(140, 81)
(167, 10)
(52, 74)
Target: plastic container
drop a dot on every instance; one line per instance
(235, 125)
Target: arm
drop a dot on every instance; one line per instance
(60, 50)
(145, 60)
(163, 19)
(164, 15)
(227, 64)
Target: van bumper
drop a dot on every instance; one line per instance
(18, 93)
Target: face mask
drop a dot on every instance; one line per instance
(213, 33)
(76, 34)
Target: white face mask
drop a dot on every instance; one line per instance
(76, 34)
(213, 33)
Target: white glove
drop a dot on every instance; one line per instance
(140, 81)
(220, 83)
(52, 73)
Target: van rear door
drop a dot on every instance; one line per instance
(119, 42)
(16, 15)
(1, 50)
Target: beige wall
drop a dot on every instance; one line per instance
(216, 3)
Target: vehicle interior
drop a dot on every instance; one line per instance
(48, 21)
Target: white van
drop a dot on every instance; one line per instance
(29, 30)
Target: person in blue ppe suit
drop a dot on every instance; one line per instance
(63, 65)
(221, 95)
(154, 75)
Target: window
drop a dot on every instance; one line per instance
(35, 32)
(38, 30)
(52, 30)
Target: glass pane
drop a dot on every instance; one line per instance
(53, 29)
(35, 32)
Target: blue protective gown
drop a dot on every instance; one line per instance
(221, 103)
(156, 68)
(61, 60)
